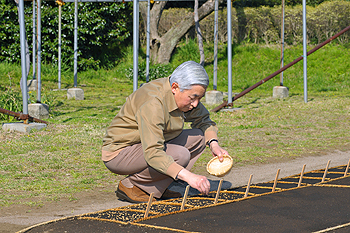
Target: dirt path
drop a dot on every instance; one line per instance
(18, 217)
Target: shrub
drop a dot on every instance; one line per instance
(10, 100)
(263, 24)
(103, 28)
(155, 72)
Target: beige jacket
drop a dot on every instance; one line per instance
(151, 117)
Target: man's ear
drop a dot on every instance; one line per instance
(174, 87)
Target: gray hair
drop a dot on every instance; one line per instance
(189, 73)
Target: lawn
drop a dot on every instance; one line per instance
(64, 158)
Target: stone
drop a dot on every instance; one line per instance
(32, 85)
(214, 97)
(280, 92)
(23, 128)
(76, 93)
(230, 109)
(38, 110)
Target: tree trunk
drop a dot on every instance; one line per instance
(155, 15)
(162, 47)
(199, 34)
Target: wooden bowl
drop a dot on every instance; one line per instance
(217, 168)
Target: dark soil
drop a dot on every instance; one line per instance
(17, 217)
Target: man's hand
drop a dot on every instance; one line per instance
(201, 183)
(216, 150)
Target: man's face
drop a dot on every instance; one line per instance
(188, 99)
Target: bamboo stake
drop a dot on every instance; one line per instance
(185, 198)
(275, 183)
(331, 229)
(325, 171)
(149, 205)
(347, 168)
(301, 175)
(218, 192)
(248, 186)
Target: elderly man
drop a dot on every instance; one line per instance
(147, 142)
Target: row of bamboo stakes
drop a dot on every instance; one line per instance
(247, 189)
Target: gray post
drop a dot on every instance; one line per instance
(148, 32)
(305, 51)
(282, 43)
(23, 56)
(229, 51)
(135, 42)
(39, 52)
(215, 75)
(34, 40)
(59, 44)
(76, 43)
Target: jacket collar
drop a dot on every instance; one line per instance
(169, 96)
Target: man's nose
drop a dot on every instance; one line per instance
(195, 103)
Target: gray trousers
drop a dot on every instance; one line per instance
(185, 149)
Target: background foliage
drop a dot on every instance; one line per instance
(102, 26)
(263, 24)
(105, 28)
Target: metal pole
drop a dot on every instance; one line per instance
(23, 57)
(34, 41)
(59, 44)
(215, 75)
(124, 0)
(135, 42)
(39, 52)
(282, 43)
(20, 116)
(229, 51)
(224, 104)
(76, 44)
(305, 51)
(148, 36)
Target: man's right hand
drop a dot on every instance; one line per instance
(201, 183)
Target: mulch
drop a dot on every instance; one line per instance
(312, 206)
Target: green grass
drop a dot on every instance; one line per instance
(328, 67)
(64, 158)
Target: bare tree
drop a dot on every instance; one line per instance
(163, 46)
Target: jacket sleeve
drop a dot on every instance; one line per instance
(200, 119)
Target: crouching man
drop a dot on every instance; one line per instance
(146, 140)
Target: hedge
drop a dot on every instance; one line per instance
(263, 24)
